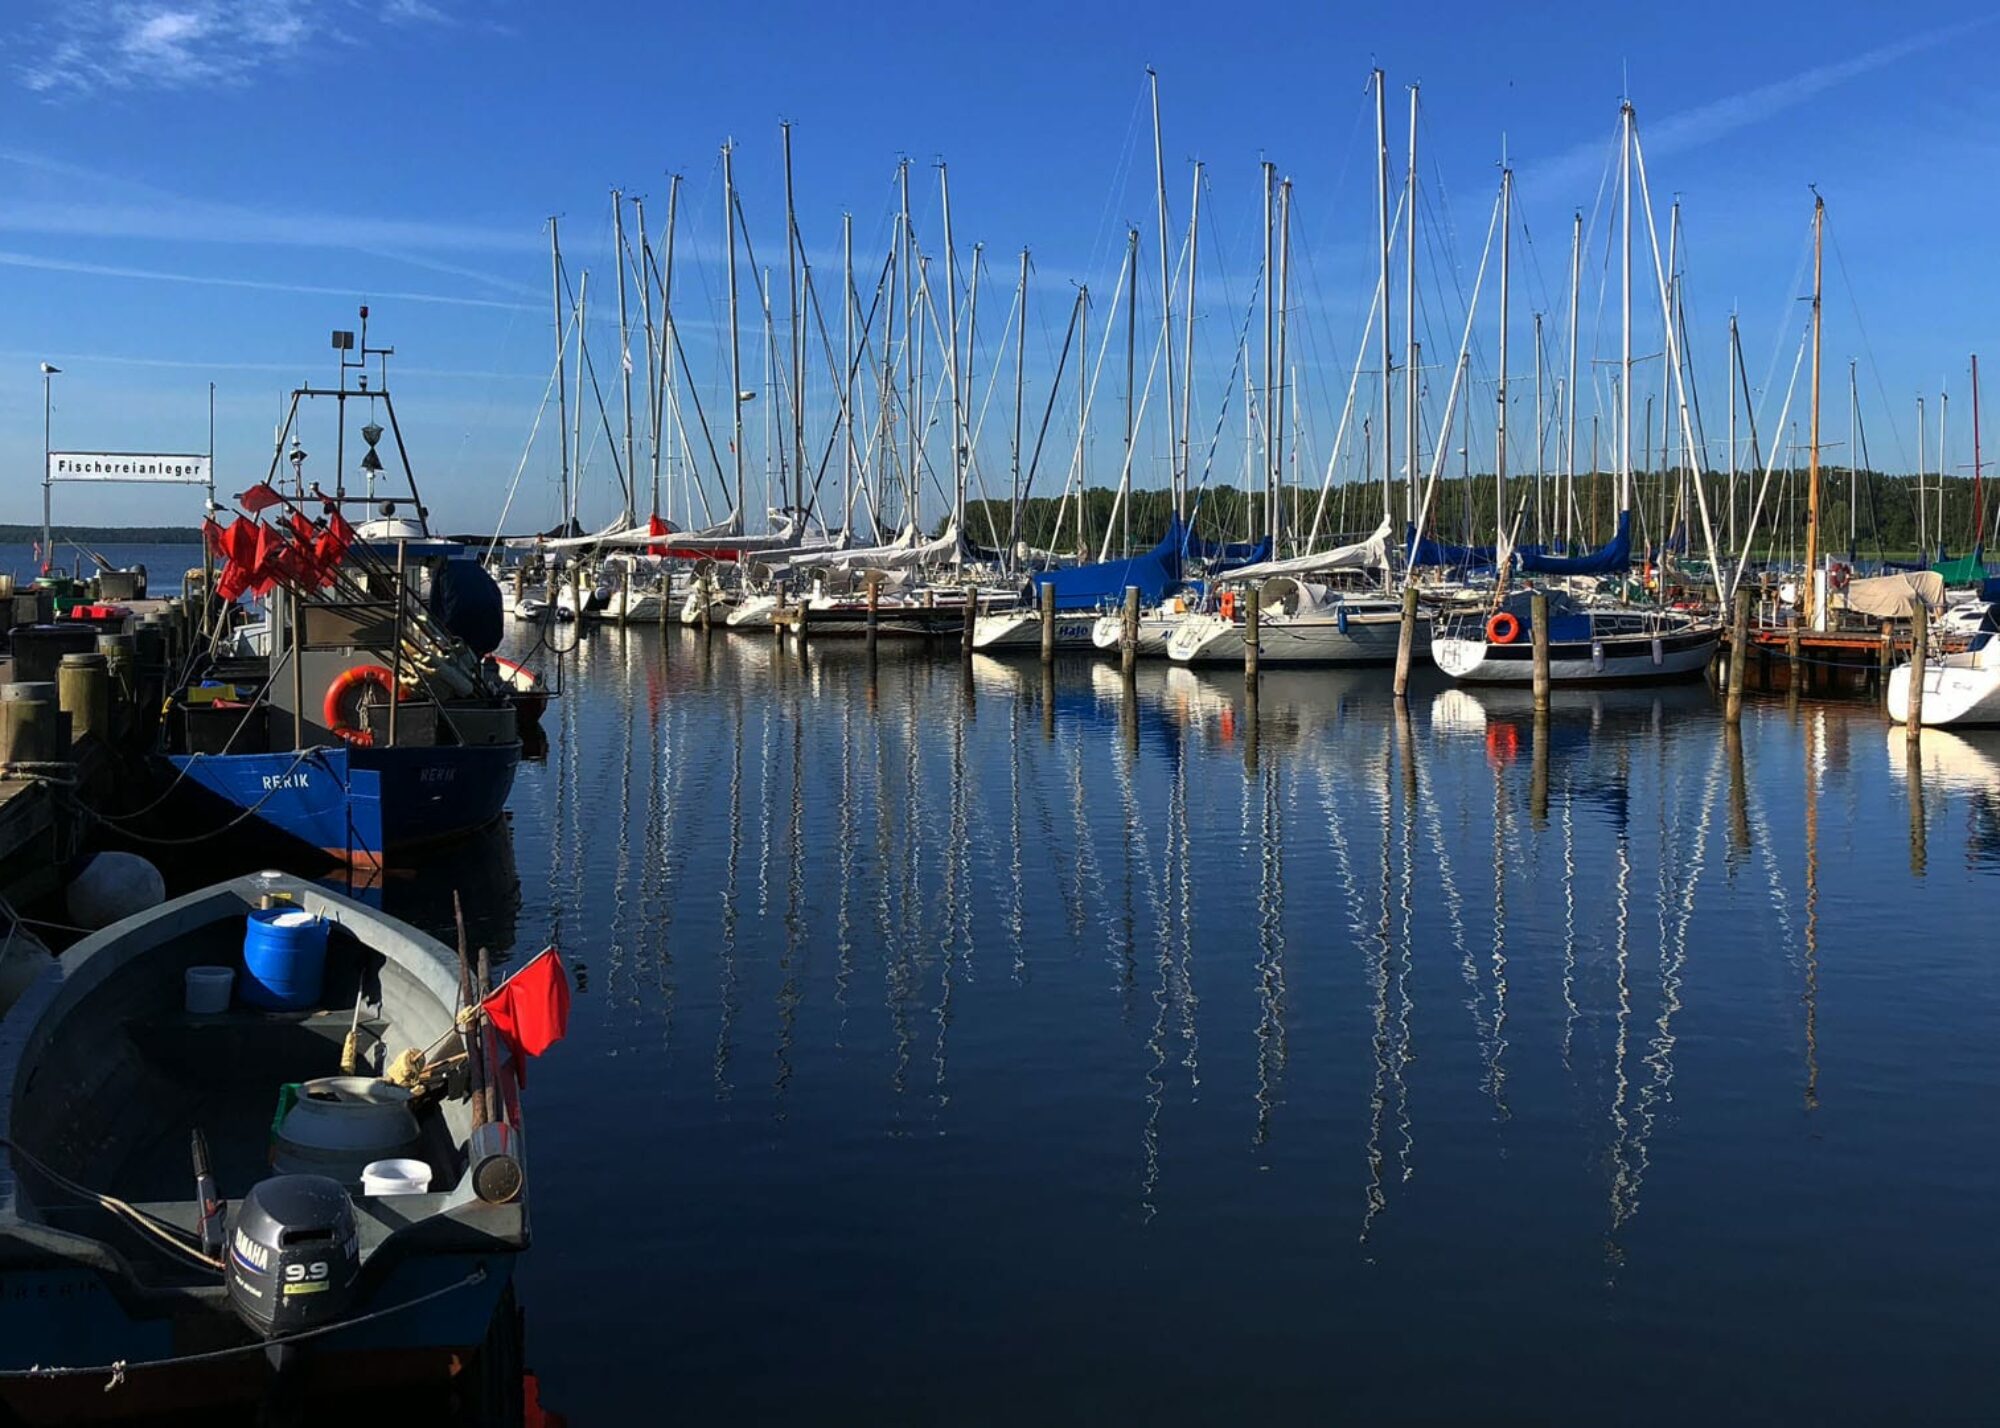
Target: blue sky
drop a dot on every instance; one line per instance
(198, 190)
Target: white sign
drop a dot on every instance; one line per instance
(167, 467)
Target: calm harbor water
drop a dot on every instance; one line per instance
(955, 1048)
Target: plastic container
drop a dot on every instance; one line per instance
(395, 1177)
(208, 989)
(284, 958)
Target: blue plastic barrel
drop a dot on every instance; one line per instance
(284, 959)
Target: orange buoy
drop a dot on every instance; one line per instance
(1503, 629)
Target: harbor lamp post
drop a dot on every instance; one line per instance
(43, 557)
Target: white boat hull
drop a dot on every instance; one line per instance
(1959, 689)
(1281, 639)
(1022, 630)
(1156, 627)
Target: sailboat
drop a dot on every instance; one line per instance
(1588, 642)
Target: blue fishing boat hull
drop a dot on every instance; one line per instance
(356, 805)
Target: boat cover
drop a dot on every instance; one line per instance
(1892, 597)
(1086, 587)
(1613, 556)
(1966, 570)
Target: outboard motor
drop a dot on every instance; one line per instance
(294, 1254)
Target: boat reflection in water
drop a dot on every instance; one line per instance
(1252, 1018)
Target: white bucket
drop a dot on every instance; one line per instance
(208, 989)
(395, 1177)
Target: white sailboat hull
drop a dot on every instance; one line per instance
(1318, 638)
(1022, 630)
(1156, 627)
(1960, 689)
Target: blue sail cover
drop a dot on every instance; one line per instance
(1089, 587)
(1606, 559)
(1228, 555)
(1435, 552)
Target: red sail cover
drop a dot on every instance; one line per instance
(658, 527)
(531, 1009)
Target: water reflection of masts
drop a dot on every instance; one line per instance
(1270, 948)
(1569, 920)
(956, 941)
(1381, 936)
(1496, 1071)
(843, 921)
(621, 880)
(726, 1016)
(790, 970)
(1017, 901)
(1815, 728)
(1622, 911)
(1676, 898)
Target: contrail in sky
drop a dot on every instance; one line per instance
(109, 270)
(1704, 124)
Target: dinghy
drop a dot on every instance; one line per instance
(308, 1168)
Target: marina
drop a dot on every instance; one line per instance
(1143, 774)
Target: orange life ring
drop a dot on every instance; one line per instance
(1229, 604)
(348, 681)
(1503, 629)
(1836, 576)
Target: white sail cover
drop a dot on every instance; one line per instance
(1892, 597)
(906, 552)
(1369, 554)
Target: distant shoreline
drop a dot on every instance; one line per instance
(105, 535)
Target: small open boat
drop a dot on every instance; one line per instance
(200, 1197)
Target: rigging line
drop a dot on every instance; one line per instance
(1868, 350)
(522, 465)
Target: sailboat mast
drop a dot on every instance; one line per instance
(669, 405)
(562, 352)
(1284, 392)
(1269, 276)
(735, 334)
(1131, 380)
(1810, 596)
(1020, 379)
(1733, 349)
(1853, 462)
(1176, 477)
(1382, 245)
(1500, 415)
(1569, 392)
(1187, 361)
(913, 345)
(1541, 519)
(1923, 537)
(1978, 474)
(951, 359)
(576, 418)
(624, 345)
(652, 381)
(847, 472)
(1412, 437)
(798, 337)
(1625, 340)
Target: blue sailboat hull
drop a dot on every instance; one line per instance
(356, 805)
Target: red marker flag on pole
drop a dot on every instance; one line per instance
(259, 497)
(530, 1009)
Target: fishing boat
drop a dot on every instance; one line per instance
(374, 720)
(168, 1240)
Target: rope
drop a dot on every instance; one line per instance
(110, 821)
(166, 1234)
(116, 1371)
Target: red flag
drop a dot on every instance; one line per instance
(238, 548)
(331, 547)
(259, 497)
(211, 537)
(263, 569)
(531, 1009)
(302, 527)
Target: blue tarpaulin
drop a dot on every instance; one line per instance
(1604, 560)
(1434, 552)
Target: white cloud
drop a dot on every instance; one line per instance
(96, 45)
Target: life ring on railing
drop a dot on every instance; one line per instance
(1229, 604)
(336, 712)
(1836, 577)
(1503, 629)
